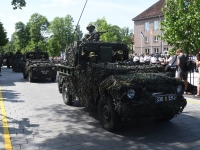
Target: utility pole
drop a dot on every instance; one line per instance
(161, 36)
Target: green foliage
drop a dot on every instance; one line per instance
(21, 35)
(115, 33)
(3, 36)
(181, 25)
(38, 25)
(62, 34)
(18, 4)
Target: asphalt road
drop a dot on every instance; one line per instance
(36, 119)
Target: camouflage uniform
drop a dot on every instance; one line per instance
(87, 37)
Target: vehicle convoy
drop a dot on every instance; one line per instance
(36, 64)
(96, 73)
(17, 62)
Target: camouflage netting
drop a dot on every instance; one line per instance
(112, 80)
(96, 77)
(145, 84)
(39, 63)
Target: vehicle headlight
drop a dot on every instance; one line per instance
(130, 93)
(53, 68)
(179, 89)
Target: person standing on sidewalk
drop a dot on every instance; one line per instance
(198, 84)
(182, 72)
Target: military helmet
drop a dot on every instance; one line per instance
(119, 52)
(90, 26)
(92, 54)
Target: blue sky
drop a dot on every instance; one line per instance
(116, 12)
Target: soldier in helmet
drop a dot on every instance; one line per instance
(88, 37)
(92, 57)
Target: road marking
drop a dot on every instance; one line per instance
(7, 142)
(193, 101)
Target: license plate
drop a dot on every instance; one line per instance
(163, 98)
(44, 71)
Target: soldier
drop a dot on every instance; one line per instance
(92, 57)
(88, 37)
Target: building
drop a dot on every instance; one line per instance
(147, 30)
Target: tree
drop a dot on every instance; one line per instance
(38, 25)
(3, 36)
(22, 35)
(18, 4)
(181, 25)
(114, 33)
(62, 34)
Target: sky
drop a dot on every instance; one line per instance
(116, 12)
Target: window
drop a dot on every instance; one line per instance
(165, 48)
(156, 50)
(146, 39)
(155, 25)
(146, 26)
(155, 39)
(147, 51)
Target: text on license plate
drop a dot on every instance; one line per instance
(163, 98)
(44, 71)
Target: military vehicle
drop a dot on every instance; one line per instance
(17, 62)
(7, 59)
(122, 92)
(36, 64)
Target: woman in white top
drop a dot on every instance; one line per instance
(153, 60)
(172, 61)
(141, 59)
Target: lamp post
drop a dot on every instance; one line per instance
(160, 36)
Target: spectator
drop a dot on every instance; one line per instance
(198, 86)
(147, 59)
(136, 59)
(153, 59)
(141, 59)
(172, 61)
(182, 73)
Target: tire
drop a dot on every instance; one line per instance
(30, 79)
(67, 98)
(109, 118)
(24, 75)
(53, 78)
(59, 88)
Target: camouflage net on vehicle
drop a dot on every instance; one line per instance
(111, 78)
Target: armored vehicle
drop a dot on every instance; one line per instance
(17, 62)
(97, 73)
(37, 65)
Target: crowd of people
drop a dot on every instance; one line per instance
(174, 63)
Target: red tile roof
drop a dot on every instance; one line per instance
(153, 11)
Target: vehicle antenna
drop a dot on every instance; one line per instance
(80, 16)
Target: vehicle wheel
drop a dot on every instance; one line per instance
(67, 98)
(109, 118)
(59, 88)
(53, 78)
(166, 118)
(25, 77)
(30, 79)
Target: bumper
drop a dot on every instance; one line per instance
(43, 74)
(151, 109)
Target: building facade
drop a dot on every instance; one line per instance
(147, 30)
